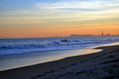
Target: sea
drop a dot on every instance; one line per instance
(20, 52)
(31, 45)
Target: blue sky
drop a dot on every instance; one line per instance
(20, 4)
(27, 4)
(15, 4)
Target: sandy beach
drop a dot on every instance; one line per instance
(100, 65)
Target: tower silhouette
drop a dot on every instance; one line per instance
(102, 33)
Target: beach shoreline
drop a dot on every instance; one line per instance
(36, 71)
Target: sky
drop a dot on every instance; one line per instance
(52, 18)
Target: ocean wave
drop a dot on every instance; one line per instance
(17, 46)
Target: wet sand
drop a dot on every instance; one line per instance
(100, 65)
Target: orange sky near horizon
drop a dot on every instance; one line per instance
(56, 31)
